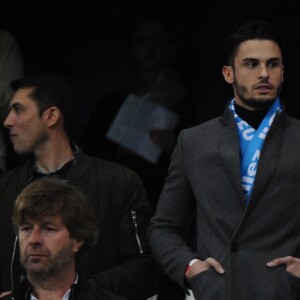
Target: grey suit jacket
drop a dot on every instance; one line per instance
(204, 181)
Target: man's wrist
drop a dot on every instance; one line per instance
(189, 266)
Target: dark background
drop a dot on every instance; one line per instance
(90, 40)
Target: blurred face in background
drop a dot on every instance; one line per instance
(153, 47)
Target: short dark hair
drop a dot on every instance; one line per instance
(255, 29)
(52, 196)
(53, 89)
(164, 22)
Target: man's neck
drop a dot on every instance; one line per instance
(51, 159)
(52, 288)
(253, 118)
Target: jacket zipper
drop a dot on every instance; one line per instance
(134, 222)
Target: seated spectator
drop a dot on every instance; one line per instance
(55, 225)
(158, 81)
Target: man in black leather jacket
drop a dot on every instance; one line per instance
(41, 122)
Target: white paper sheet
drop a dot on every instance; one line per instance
(132, 123)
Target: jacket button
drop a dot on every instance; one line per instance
(234, 248)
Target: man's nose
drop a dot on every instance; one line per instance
(35, 236)
(8, 121)
(263, 72)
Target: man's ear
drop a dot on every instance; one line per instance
(77, 245)
(51, 115)
(228, 74)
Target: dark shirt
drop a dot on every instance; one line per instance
(252, 117)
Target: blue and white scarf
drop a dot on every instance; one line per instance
(251, 142)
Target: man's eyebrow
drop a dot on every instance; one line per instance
(274, 58)
(257, 59)
(250, 59)
(16, 104)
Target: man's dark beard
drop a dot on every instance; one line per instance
(256, 103)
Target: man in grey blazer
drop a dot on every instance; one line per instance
(238, 177)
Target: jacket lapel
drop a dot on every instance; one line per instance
(230, 151)
(269, 159)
